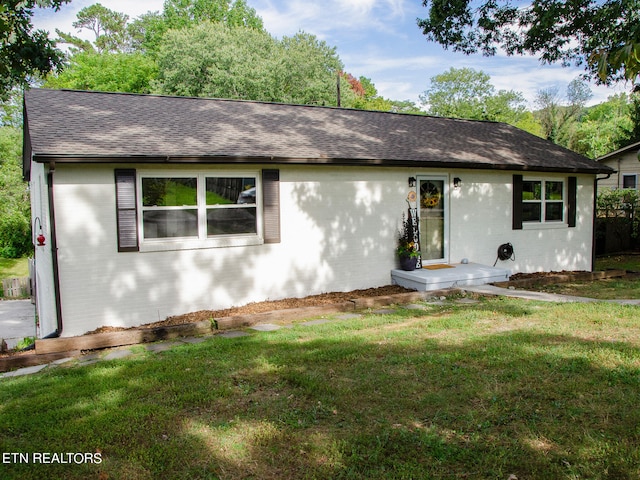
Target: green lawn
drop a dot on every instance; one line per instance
(613, 288)
(622, 262)
(14, 267)
(540, 391)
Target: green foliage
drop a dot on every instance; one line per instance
(602, 36)
(147, 31)
(214, 60)
(468, 93)
(15, 223)
(109, 72)
(24, 52)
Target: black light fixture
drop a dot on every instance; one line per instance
(456, 182)
(412, 181)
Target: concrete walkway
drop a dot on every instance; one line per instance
(17, 321)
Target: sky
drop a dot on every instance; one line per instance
(378, 39)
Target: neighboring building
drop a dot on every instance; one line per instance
(154, 206)
(626, 162)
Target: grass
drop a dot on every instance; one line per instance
(614, 288)
(14, 267)
(505, 387)
(615, 262)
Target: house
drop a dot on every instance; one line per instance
(148, 206)
(626, 162)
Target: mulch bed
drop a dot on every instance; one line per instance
(268, 306)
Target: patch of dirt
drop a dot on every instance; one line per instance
(268, 306)
(527, 276)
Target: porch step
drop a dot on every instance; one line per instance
(459, 275)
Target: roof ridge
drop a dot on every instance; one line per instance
(266, 102)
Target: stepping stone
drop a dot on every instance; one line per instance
(266, 327)
(348, 316)
(25, 371)
(311, 323)
(384, 311)
(62, 360)
(233, 334)
(467, 301)
(117, 354)
(161, 347)
(193, 340)
(413, 306)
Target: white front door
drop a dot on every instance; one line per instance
(433, 205)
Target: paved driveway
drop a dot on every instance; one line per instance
(17, 321)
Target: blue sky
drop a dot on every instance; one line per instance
(378, 39)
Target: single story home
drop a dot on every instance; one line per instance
(149, 206)
(626, 162)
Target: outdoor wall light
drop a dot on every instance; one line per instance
(412, 181)
(457, 181)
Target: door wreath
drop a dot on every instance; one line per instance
(430, 195)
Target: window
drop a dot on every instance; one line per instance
(542, 201)
(196, 210)
(199, 206)
(630, 181)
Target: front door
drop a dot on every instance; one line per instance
(432, 207)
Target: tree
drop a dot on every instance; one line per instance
(214, 60)
(601, 35)
(557, 116)
(108, 26)
(468, 93)
(15, 219)
(603, 128)
(23, 51)
(107, 72)
(148, 29)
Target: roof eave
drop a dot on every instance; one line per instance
(222, 159)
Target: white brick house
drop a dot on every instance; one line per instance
(155, 206)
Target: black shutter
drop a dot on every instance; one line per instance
(126, 216)
(517, 202)
(572, 200)
(271, 205)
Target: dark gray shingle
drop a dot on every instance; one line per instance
(65, 124)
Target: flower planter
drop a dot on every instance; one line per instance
(408, 263)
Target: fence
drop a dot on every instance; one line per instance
(617, 222)
(16, 287)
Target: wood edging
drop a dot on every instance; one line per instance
(51, 349)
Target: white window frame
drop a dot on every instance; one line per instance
(202, 240)
(635, 177)
(543, 222)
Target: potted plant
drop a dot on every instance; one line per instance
(407, 249)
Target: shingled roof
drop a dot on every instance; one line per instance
(77, 126)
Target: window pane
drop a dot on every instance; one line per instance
(531, 212)
(553, 211)
(531, 190)
(226, 191)
(553, 191)
(628, 181)
(169, 192)
(170, 223)
(227, 221)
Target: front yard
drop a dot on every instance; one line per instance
(504, 387)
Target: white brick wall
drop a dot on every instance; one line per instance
(339, 227)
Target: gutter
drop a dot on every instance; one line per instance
(54, 253)
(333, 161)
